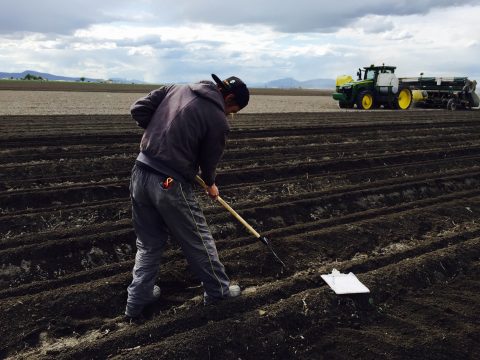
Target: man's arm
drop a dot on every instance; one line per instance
(211, 151)
(143, 109)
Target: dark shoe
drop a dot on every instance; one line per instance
(135, 312)
(234, 291)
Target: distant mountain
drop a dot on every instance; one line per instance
(51, 77)
(289, 83)
(285, 83)
(46, 76)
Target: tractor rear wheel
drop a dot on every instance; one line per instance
(404, 99)
(365, 100)
(452, 104)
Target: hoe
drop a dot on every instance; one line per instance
(263, 239)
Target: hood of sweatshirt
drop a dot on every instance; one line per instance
(208, 90)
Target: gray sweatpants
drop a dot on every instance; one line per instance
(158, 213)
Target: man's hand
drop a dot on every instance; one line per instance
(212, 191)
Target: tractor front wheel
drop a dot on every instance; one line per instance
(365, 100)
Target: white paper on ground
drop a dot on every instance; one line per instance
(344, 283)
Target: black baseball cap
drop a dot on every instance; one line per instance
(233, 85)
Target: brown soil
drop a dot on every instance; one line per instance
(107, 103)
(393, 197)
(34, 85)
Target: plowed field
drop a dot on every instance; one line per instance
(393, 197)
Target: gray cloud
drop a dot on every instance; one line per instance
(55, 16)
(153, 58)
(300, 15)
(375, 24)
(147, 40)
(63, 17)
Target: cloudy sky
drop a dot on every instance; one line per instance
(186, 40)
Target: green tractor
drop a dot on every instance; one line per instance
(376, 86)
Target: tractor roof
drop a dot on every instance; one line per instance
(373, 67)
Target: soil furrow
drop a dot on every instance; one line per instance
(390, 196)
(382, 258)
(314, 306)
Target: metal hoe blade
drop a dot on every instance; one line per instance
(264, 240)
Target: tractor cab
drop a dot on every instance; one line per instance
(371, 72)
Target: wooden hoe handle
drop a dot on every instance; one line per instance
(230, 210)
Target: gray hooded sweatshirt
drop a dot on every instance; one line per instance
(185, 129)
